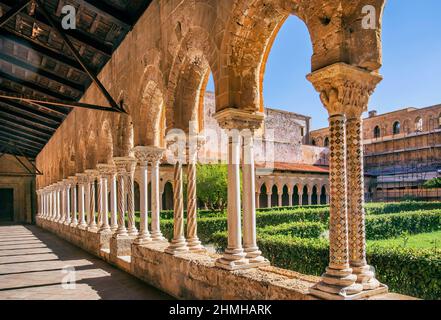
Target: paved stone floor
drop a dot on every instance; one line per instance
(35, 264)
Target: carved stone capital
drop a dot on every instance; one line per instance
(344, 89)
(92, 174)
(105, 169)
(82, 178)
(125, 164)
(232, 118)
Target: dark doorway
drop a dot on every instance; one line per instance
(167, 197)
(6, 204)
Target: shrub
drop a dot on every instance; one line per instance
(396, 207)
(407, 271)
(305, 229)
(393, 225)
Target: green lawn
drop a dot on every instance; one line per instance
(431, 240)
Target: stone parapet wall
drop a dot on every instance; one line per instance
(192, 275)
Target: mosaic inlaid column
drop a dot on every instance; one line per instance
(121, 169)
(249, 202)
(156, 155)
(73, 200)
(113, 200)
(141, 154)
(130, 178)
(178, 243)
(356, 213)
(193, 242)
(339, 86)
(91, 213)
(82, 180)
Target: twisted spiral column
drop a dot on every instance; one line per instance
(178, 244)
(156, 233)
(356, 213)
(104, 171)
(131, 166)
(194, 244)
(92, 175)
(121, 231)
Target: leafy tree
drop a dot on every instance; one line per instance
(212, 186)
(433, 183)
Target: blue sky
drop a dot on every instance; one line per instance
(411, 63)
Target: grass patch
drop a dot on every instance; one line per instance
(431, 240)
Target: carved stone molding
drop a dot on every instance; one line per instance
(344, 89)
(232, 118)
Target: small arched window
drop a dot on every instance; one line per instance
(396, 127)
(377, 132)
(419, 124)
(326, 143)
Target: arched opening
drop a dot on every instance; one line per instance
(377, 132)
(295, 196)
(274, 197)
(419, 124)
(305, 197)
(149, 198)
(263, 197)
(285, 197)
(326, 142)
(314, 196)
(323, 196)
(396, 128)
(167, 196)
(313, 142)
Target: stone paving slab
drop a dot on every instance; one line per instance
(35, 264)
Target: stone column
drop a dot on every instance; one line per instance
(156, 155)
(235, 120)
(193, 242)
(130, 178)
(178, 243)
(253, 254)
(121, 167)
(290, 195)
(301, 197)
(82, 179)
(268, 198)
(258, 200)
(73, 200)
(54, 202)
(67, 184)
(279, 199)
(141, 154)
(356, 213)
(309, 196)
(340, 85)
(99, 198)
(59, 205)
(105, 171)
(113, 200)
(92, 176)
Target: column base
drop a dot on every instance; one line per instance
(337, 294)
(133, 232)
(233, 259)
(254, 256)
(74, 224)
(92, 228)
(194, 245)
(365, 277)
(177, 246)
(82, 226)
(105, 229)
(158, 237)
(143, 239)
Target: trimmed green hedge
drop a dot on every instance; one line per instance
(407, 271)
(305, 229)
(396, 207)
(394, 224)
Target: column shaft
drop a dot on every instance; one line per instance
(144, 235)
(156, 228)
(131, 199)
(113, 203)
(192, 226)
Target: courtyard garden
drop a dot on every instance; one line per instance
(403, 241)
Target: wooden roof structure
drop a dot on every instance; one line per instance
(45, 69)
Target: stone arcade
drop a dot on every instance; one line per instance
(159, 72)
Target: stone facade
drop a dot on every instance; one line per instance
(402, 150)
